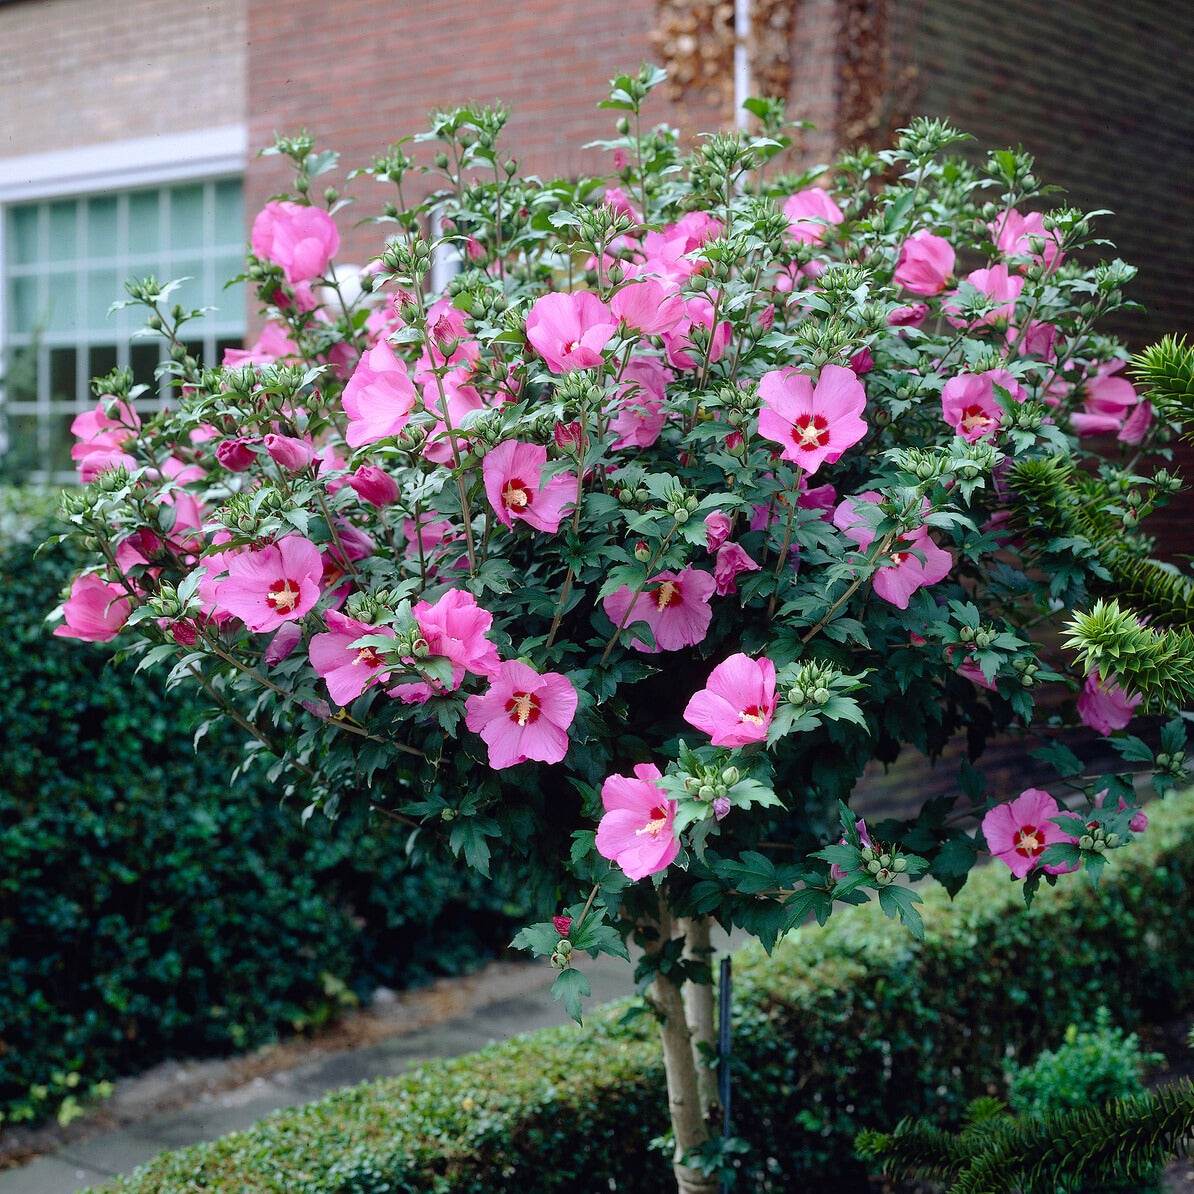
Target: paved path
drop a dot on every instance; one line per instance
(95, 1159)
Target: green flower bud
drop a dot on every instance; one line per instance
(730, 776)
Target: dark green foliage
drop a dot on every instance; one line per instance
(1089, 1150)
(1166, 371)
(848, 1025)
(1090, 1067)
(148, 906)
(1066, 513)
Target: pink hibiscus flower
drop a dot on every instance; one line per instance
(969, 404)
(1104, 706)
(675, 605)
(812, 424)
(514, 483)
(378, 398)
(731, 560)
(638, 829)
(95, 611)
(101, 438)
(1019, 831)
(809, 213)
(647, 307)
(698, 312)
(926, 263)
(569, 329)
(454, 627)
(271, 585)
(1013, 235)
(347, 669)
(1109, 403)
(737, 703)
(523, 715)
(299, 238)
(905, 572)
(637, 414)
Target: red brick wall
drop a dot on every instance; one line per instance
(1100, 93)
(361, 73)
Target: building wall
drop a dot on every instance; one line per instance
(1100, 93)
(77, 72)
(358, 76)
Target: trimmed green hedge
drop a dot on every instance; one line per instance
(150, 909)
(852, 1025)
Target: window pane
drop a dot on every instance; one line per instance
(101, 359)
(63, 381)
(64, 231)
(191, 292)
(61, 442)
(22, 234)
(63, 303)
(24, 306)
(186, 217)
(230, 213)
(143, 359)
(20, 377)
(101, 227)
(144, 223)
(104, 287)
(23, 454)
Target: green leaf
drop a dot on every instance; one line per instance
(571, 986)
(540, 939)
(899, 901)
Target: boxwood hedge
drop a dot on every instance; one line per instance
(852, 1025)
(148, 907)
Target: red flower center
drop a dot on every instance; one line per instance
(667, 594)
(974, 418)
(657, 819)
(369, 657)
(523, 708)
(755, 714)
(810, 432)
(1028, 841)
(283, 596)
(516, 494)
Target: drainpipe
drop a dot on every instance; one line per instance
(742, 83)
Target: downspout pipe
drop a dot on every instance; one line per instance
(742, 81)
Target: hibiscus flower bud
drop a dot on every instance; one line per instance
(569, 437)
(562, 925)
(642, 551)
(721, 807)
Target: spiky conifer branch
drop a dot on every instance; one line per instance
(1126, 1139)
(1166, 372)
(1052, 501)
(1157, 663)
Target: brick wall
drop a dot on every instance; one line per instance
(79, 73)
(1100, 93)
(358, 76)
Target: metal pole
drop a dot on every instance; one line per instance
(742, 84)
(723, 1050)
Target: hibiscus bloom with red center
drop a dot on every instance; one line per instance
(638, 829)
(813, 425)
(915, 560)
(569, 330)
(347, 669)
(1019, 832)
(517, 489)
(675, 605)
(271, 585)
(523, 715)
(737, 703)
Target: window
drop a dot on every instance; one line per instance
(74, 226)
(66, 264)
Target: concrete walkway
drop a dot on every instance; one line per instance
(94, 1159)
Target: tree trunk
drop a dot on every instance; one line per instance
(689, 1125)
(701, 1016)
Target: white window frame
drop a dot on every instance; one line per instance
(112, 166)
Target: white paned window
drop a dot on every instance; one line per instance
(65, 263)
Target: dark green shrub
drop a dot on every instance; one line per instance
(148, 906)
(848, 1026)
